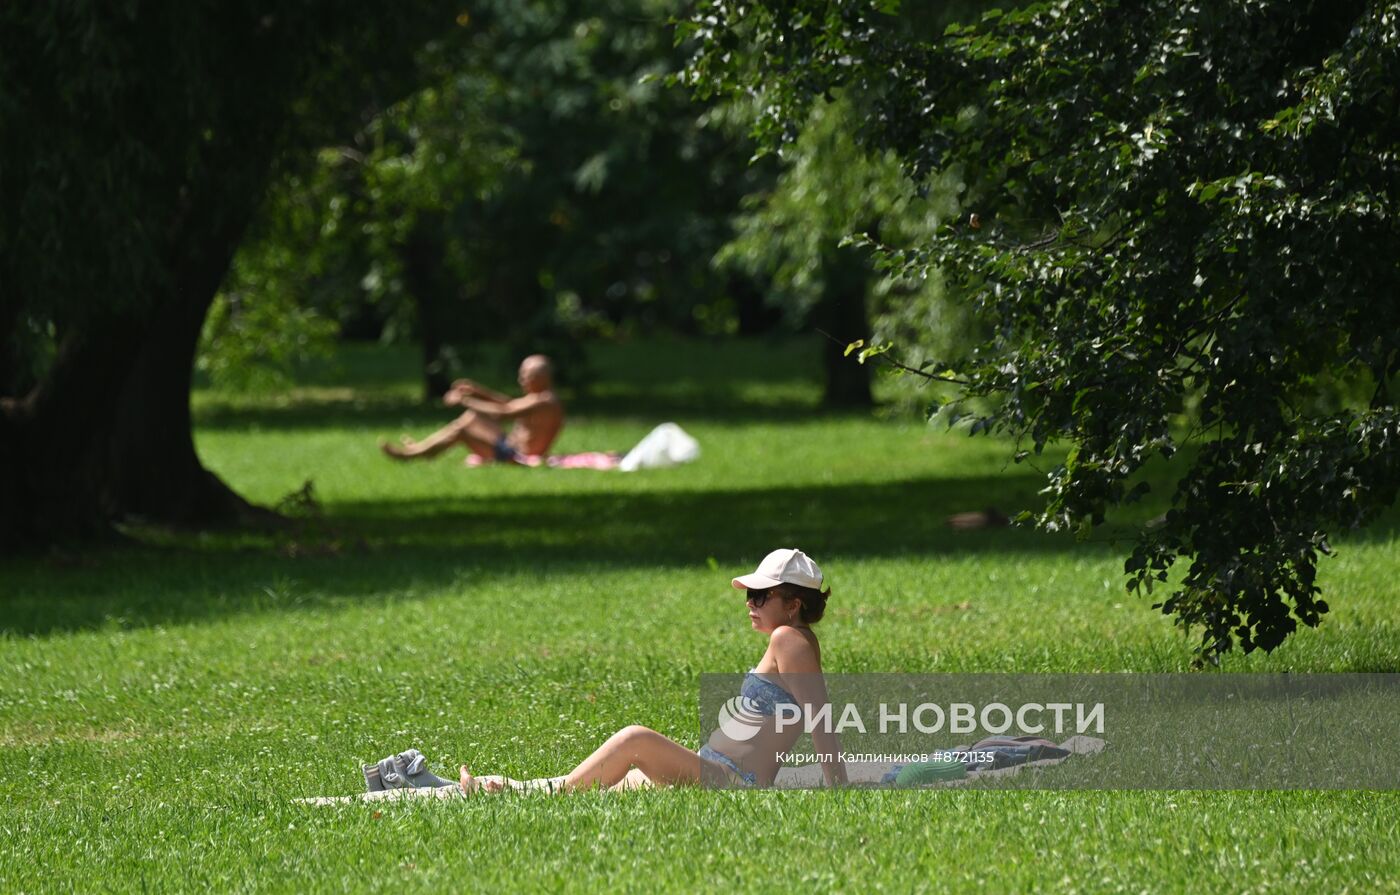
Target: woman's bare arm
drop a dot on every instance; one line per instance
(800, 670)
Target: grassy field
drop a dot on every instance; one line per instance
(161, 706)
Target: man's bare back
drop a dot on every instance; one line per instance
(536, 419)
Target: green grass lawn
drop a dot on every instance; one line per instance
(162, 705)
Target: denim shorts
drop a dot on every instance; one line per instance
(746, 777)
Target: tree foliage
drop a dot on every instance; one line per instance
(135, 107)
(544, 183)
(1169, 206)
(795, 236)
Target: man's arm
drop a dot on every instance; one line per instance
(505, 410)
(799, 668)
(469, 388)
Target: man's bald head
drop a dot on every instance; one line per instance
(536, 373)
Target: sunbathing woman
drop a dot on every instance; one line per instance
(784, 598)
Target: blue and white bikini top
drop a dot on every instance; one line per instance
(766, 695)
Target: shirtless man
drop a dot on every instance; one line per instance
(537, 415)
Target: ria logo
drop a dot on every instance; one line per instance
(740, 719)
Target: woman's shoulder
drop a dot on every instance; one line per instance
(790, 632)
(795, 643)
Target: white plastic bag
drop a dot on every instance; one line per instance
(666, 445)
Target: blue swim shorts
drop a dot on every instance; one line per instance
(747, 777)
(504, 452)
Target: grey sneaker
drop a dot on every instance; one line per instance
(373, 782)
(408, 770)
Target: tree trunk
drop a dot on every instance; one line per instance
(152, 471)
(11, 382)
(422, 269)
(842, 316)
(50, 461)
(756, 316)
(106, 434)
(77, 454)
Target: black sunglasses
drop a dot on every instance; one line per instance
(757, 597)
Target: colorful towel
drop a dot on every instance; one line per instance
(584, 460)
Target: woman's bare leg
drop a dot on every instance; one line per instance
(661, 761)
(633, 758)
(635, 779)
(470, 783)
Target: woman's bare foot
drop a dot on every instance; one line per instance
(470, 784)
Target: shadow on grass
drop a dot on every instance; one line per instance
(379, 551)
(680, 527)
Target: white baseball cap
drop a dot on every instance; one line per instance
(786, 566)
